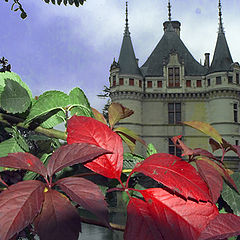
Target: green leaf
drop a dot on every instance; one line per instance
(130, 160)
(48, 102)
(9, 146)
(33, 175)
(231, 196)
(13, 76)
(54, 120)
(18, 138)
(151, 150)
(79, 104)
(14, 98)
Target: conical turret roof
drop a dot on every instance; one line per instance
(222, 58)
(127, 60)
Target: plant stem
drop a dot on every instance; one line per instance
(8, 119)
(114, 226)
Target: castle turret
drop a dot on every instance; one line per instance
(126, 81)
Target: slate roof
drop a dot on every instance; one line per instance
(222, 58)
(127, 59)
(171, 42)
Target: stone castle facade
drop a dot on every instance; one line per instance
(171, 87)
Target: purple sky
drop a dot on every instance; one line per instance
(64, 47)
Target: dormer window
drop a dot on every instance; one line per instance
(173, 77)
(114, 81)
(237, 78)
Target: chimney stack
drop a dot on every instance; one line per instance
(207, 62)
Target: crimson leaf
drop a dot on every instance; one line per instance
(140, 224)
(211, 176)
(178, 218)
(72, 154)
(19, 205)
(58, 219)
(176, 174)
(86, 194)
(85, 129)
(23, 160)
(223, 226)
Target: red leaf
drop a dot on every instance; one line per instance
(222, 171)
(72, 154)
(222, 226)
(84, 129)
(177, 218)
(116, 112)
(23, 160)
(86, 194)
(19, 205)
(140, 224)
(176, 174)
(211, 176)
(58, 219)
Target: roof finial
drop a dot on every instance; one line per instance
(126, 21)
(169, 11)
(220, 29)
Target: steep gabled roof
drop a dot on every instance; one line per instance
(169, 43)
(127, 60)
(222, 58)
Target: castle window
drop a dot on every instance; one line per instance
(172, 149)
(114, 81)
(235, 112)
(208, 82)
(140, 83)
(218, 80)
(131, 81)
(188, 83)
(230, 79)
(173, 77)
(237, 78)
(174, 113)
(149, 84)
(199, 83)
(120, 81)
(236, 142)
(159, 84)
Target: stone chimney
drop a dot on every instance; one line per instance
(207, 62)
(175, 24)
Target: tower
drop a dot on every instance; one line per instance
(172, 87)
(126, 81)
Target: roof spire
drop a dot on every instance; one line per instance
(126, 33)
(169, 11)
(220, 29)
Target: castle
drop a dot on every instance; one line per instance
(171, 87)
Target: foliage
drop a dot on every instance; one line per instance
(18, 6)
(183, 202)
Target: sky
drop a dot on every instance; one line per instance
(59, 47)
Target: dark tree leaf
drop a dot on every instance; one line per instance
(19, 205)
(212, 177)
(72, 154)
(140, 224)
(23, 160)
(88, 130)
(87, 194)
(58, 219)
(177, 218)
(222, 171)
(116, 112)
(176, 174)
(222, 226)
(14, 98)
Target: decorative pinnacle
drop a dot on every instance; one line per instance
(126, 33)
(169, 11)
(220, 30)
